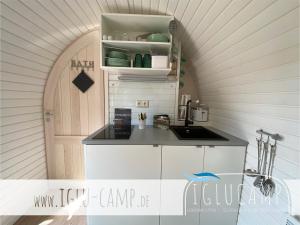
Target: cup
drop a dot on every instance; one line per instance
(138, 60)
(147, 61)
(142, 124)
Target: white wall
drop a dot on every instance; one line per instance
(249, 76)
(161, 97)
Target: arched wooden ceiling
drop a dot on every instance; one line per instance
(39, 30)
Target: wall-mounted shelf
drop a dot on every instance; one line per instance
(133, 26)
(137, 71)
(138, 45)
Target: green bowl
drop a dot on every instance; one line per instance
(117, 54)
(157, 38)
(117, 62)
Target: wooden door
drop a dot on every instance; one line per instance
(177, 163)
(71, 115)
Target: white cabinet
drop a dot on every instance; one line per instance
(220, 199)
(123, 162)
(178, 162)
(214, 202)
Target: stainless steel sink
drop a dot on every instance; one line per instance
(196, 133)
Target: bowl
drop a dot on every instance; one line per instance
(117, 62)
(117, 54)
(157, 38)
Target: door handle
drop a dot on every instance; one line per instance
(48, 115)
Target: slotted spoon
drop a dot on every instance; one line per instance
(268, 186)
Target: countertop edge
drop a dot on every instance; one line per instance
(170, 138)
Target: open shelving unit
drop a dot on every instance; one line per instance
(137, 71)
(138, 45)
(134, 25)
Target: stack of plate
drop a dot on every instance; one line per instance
(117, 58)
(157, 38)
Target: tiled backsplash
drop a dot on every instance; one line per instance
(161, 97)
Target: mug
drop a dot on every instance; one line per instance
(138, 60)
(147, 61)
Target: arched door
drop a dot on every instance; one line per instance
(70, 114)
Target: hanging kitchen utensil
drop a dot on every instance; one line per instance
(260, 154)
(259, 150)
(273, 157)
(256, 172)
(263, 165)
(268, 185)
(259, 179)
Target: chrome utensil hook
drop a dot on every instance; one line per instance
(276, 137)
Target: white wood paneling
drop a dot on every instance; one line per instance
(248, 73)
(172, 6)
(244, 55)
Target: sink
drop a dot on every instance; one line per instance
(195, 133)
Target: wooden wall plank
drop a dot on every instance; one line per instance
(19, 126)
(65, 101)
(72, 15)
(80, 13)
(20, 110)
(11, 12)
(50, 21)
(24, 53)
(75, 103)
(83, 101)
(30, 15)
(61, 17)
(58, 123)
(172, 5)
(60, 172)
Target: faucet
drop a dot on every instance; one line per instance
(187, 120)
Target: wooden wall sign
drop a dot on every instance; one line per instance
(82, 64)
(83, 82)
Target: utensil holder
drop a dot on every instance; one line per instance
(142, 124)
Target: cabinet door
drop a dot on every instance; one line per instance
(220, 198)
(177, 163)
(123, 162)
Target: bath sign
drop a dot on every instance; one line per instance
(82, 64)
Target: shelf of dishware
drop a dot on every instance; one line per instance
(136, 71)
(135, 35)
(144, 46)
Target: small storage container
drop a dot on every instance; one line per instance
(161, 121)
(200, 113)
(159, 62)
